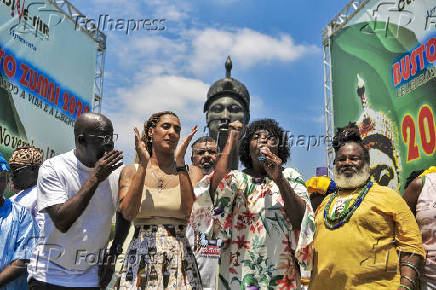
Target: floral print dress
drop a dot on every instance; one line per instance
(261, 249)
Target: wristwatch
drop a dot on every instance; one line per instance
(183, 168)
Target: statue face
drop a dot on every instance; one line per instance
(222, 112)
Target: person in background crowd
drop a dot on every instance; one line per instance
(25, 163)
(263, 214)
(204, 157)
(18, 235)
(157, 195)
(207, 252)
(420, 195)
(319, 187)
(412, 188)
(77, 192)
(363, 230)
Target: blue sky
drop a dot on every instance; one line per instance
(275, 47)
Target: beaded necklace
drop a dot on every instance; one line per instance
(335, 222)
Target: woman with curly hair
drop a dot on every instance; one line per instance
(156, 194)
(263, 214)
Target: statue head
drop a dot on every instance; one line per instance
(228, 100)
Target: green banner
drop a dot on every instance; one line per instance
(384, 79)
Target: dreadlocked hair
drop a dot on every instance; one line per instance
(347, 134)
(413, 175)
(273, 128)
(151, 123)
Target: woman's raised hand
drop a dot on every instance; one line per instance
(181, 149)
(141, 149)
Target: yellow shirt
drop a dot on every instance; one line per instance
(363, 253)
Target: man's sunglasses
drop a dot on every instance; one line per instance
(105, 138)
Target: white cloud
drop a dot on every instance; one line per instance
(165, 93)
(170, 10)
(150, 49)
(246, 46)
(155, 44)
(203, 51)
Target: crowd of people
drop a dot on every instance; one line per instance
(208, 225)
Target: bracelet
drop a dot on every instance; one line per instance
(183, 168)
(410, 280)
(405, 287)
(410, 265)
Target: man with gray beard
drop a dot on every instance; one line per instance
(368, 226)
(204, 157)
(205, 164)
(207, 252)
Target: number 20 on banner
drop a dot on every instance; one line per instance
(426, 131)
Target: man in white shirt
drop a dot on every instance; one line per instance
(77, 192)
(24, 164)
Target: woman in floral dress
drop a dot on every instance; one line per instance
(263, 214)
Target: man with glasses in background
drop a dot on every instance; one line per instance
(78, 194)
(24, 164)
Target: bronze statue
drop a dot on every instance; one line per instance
(228, 100)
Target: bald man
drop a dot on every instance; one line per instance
(77, 193)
